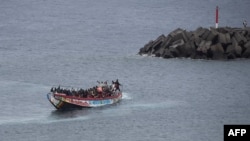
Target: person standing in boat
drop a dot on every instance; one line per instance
(113, 86)
(117, 85)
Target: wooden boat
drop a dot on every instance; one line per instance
(62, 100)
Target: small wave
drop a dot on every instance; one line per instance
(19, 120)
(126, 96)
(41, 120)
(165, 104)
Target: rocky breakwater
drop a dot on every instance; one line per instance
(203, 43)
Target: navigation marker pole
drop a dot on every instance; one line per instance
(216, 17)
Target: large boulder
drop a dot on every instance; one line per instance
(222, 38)
(174, 52)
(230, 49)
(231, 56)
(196, 39)
(167, 42)
(167, 54)
(184, 49)
(230, 52)
(176, 32)
(212, 36)
(238, 51)
(147, 48)
(234, 49)
(204, 46)
(246, 53)
(206, 33)
(200, 31)
(228, 38)
(217, 52)
(177, 43)
(159, 52)
(239, 38)
(157, 43)
(189, 50)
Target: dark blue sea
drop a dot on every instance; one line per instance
(45, 43)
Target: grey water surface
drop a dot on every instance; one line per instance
(77, 42)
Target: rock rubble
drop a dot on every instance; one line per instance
(203, 43)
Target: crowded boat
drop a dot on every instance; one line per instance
(102, 90)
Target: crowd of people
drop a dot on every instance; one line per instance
(103, 89)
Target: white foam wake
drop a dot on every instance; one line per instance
(126, 95)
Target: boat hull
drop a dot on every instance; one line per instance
(61, 101)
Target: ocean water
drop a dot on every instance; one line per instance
(77, 42)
